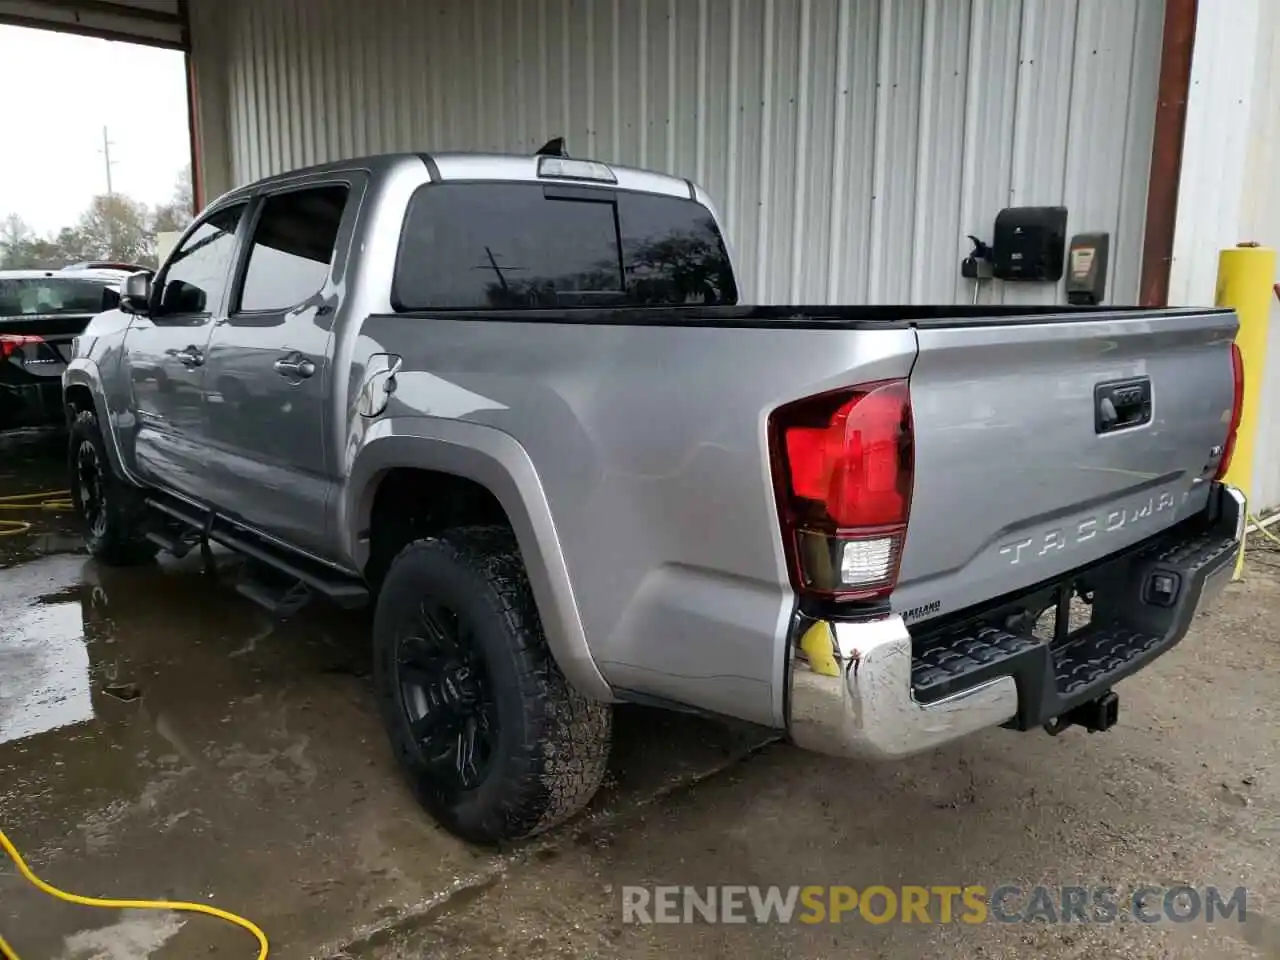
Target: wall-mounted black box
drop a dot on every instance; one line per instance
(1029, 243)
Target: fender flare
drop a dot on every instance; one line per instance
(83, 372)
(496, 461)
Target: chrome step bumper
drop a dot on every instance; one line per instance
(869, 689)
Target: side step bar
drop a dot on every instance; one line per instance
(169, 543)
(348, 593)
(281, 603)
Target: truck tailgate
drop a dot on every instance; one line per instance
(1047, 443)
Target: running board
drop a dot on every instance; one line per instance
(281, 602)
(348, 593)
(169, 543)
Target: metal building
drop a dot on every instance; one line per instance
(850, 144)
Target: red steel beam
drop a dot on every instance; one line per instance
(1166, 151)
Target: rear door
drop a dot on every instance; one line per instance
(1048, 443)
(268, 367)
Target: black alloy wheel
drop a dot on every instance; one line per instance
(493, 740)
(447, 698)
(91, 490)
(114, 512)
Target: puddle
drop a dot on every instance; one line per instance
(33, 466)
(44, 671)
(160, 735)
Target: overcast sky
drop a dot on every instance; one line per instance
(60, 91)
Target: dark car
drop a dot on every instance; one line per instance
(41, 312)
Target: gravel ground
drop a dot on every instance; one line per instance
(159, 736)
(1183, 791)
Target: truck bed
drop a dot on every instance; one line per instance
(650, 438)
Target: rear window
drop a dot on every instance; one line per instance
(29, 296)
(528, 246)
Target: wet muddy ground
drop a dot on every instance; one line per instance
(161, 737)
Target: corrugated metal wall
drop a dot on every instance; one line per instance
(1260, 213)
(1229, 191)
(850, 144)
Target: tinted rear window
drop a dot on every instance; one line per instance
(28, 296)
(508, 246)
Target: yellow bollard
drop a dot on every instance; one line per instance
(1246, 275)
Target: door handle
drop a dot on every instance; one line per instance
(294, 366)
(191, 357)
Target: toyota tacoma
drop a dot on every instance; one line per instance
(514, 404)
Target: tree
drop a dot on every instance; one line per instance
(115, 227)
(16, 239)
(69, 246)
(175, 214)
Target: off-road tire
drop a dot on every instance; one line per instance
(119, 538)
(550, 745)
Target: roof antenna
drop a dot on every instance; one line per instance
(554, 147)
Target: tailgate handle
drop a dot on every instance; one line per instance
(1121, 404)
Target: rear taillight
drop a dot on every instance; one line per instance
(843, 470)
(11, 343)
(1237, 410)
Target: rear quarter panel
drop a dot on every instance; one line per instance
(650, 445)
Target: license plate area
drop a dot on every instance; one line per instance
(1068, 640)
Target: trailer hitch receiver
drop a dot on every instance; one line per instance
(1095, 716)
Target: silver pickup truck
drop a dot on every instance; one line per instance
(513, 403)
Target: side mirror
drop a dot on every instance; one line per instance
(135, 293)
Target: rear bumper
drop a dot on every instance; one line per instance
(870, 689)
(31, 405)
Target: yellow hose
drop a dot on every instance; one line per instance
(8, 953)
(53, 501)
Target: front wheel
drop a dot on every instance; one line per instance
(495, 742)
(113, 512)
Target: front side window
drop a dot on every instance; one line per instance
(293, 246)
(524, 246)
(199, 270)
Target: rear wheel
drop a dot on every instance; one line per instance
(113, 512)
(494, 741)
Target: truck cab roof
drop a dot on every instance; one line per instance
(463, 166)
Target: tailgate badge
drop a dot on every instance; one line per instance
(1059, 538)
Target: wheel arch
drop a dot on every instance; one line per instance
(82, 390)
(498, 463)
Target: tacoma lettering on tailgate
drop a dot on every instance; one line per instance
(1060, 538)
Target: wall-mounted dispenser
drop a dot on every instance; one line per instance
(1029, 244)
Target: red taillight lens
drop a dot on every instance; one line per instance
(1237, 410)
(11, 343)
(843, 469)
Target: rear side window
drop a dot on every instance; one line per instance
(292, 247)
(673, 252)
(509, 246)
